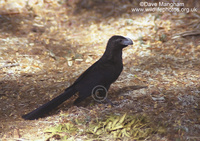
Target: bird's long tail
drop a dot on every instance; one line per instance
(44, 109)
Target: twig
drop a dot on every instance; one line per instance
(187, 33)
(9, 65)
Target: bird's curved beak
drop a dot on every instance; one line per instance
(127, 42)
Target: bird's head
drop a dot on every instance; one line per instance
(120, 42)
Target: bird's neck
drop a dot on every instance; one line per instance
(113, 56)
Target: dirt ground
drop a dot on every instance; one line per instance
(46, 45)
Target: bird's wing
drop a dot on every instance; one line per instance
(88, 73)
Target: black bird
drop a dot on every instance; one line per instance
(102, 73)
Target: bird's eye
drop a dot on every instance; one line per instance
(120, 40)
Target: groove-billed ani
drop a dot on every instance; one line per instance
(102, 73)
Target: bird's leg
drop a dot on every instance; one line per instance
(110, 102)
